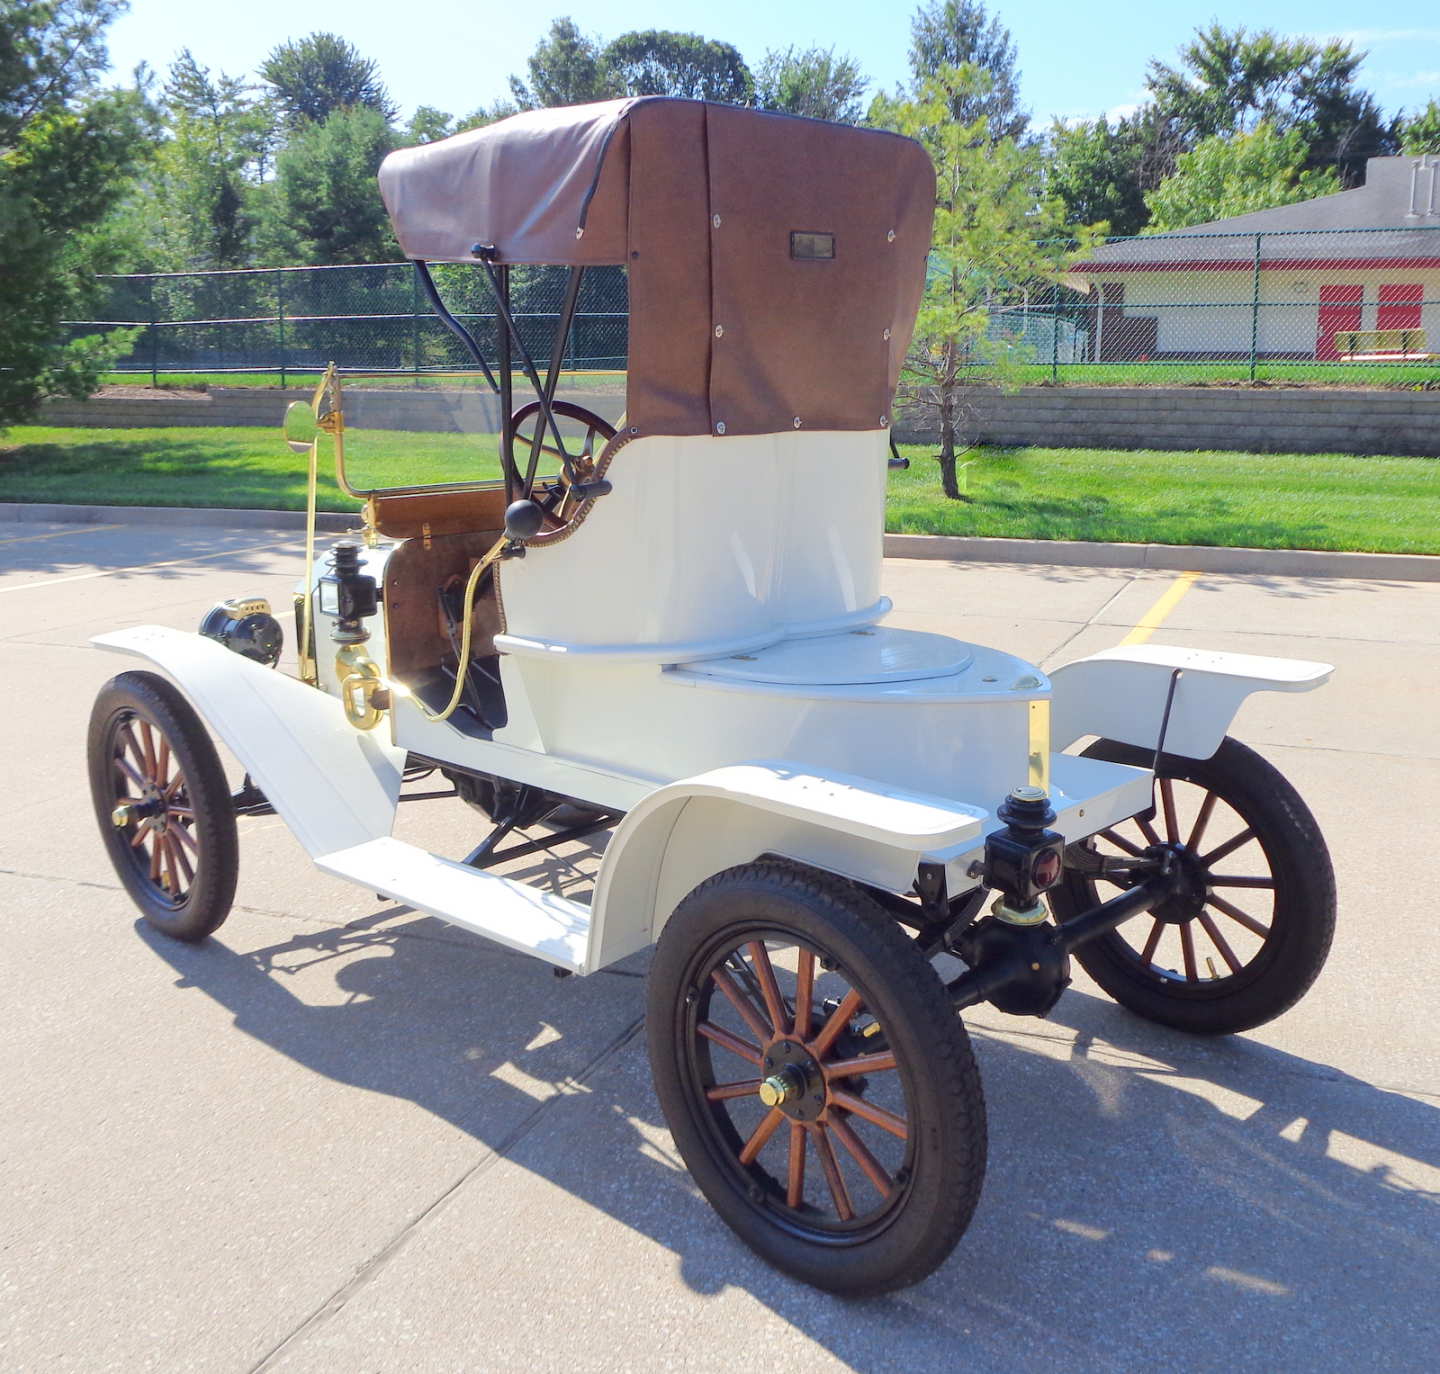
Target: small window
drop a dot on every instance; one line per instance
(811, 247)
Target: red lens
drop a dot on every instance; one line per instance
(1046, 872)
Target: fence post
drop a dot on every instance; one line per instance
(415, 323)
(154, 334)
(1255, 307)
(1054, 333)
(280, 319)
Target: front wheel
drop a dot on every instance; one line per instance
(816, 1080)
(1249, 928)
(163, 805)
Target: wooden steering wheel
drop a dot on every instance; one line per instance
(583, 461)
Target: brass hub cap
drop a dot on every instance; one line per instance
(793, 1081)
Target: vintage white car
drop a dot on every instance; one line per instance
(673, 630)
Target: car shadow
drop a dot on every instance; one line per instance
(1215, 1204)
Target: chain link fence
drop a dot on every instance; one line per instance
(291, 322)
(1357, 306)
(1345, 306)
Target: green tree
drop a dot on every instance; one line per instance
(997, 237)
(1096, 170)
(486, 114)
(323, 207)
(1420, 133)
(957, 33)
(1225, 176)
(428, 125)
(67, 151)
(1230, 81)
(565, 69)
(321, 73)
(658, 62)
(815, 83)
(199, 200)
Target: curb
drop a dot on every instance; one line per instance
(1399, 567)
(21, 512)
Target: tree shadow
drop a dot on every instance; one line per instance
(1215, 1204)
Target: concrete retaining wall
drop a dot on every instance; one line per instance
(459, 410)
(1258, 421)
(1288, 420)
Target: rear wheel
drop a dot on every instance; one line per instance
(163, 805)
(816, 1080)
(1249, 932)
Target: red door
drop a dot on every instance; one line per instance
(1339, 309)
(1400, 308)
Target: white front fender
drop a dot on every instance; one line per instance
(333, 785)
(1120, 694)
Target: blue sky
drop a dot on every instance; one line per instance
(457, 53)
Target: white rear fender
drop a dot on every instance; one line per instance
(687, 831)
(333, 785)
(1120, 694)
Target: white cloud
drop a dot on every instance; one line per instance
(1416, 79)
(1113, 115)
(1364, 38)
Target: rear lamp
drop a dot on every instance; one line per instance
(245, 626)
(1047, 869)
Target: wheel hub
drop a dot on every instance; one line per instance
(793, 1081)
(1190, 884)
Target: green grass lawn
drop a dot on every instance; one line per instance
(1303, 501)
(1272, 500)
(305, 381)
(1385, 375)
(1193, 374)
(233, 466)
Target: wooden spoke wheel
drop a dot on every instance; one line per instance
(1250, 925)
(163, 805)
(818, 1083)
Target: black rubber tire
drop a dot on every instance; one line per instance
(946, 1148)
(207, 900)
(1302, 923)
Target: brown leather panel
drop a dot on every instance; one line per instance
(412, 618)
(647, 179)
(668, 384)
(520, 184)
(446, 512)
(806, 338)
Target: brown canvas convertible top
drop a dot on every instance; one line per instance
(775, 264)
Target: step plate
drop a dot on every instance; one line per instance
(510, 913)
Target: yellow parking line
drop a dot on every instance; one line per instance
(134, 568)
(1165, 603)
(58, 534)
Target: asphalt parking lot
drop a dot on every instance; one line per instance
(338, 1136)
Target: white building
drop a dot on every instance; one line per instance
(1281, 283)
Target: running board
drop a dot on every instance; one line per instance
(510, 913)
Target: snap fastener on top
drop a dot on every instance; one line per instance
(719, 426)
(715, 220)
(890, 237)
(887, 333)
(719, 331)
(797, 422)
(884, 420)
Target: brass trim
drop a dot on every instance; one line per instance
(1039, 745)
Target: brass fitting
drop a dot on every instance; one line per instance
(783, 1086)
(361, 686)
